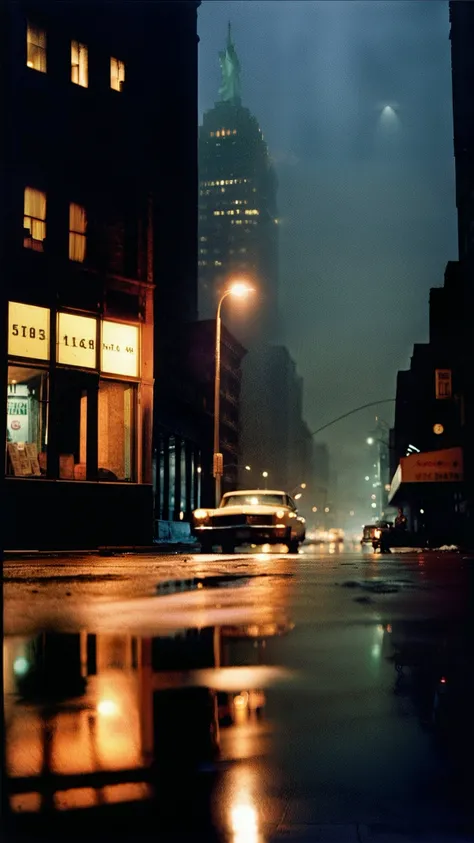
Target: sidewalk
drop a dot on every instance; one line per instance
(158, 548)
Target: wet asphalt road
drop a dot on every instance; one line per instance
(365, 663)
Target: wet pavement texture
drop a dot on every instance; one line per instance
(262, 696)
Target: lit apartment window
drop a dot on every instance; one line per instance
(77, 232)
(34, 219)
(79, 64)
(36, 48)
(117, 74)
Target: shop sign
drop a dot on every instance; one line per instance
(444, 386)
(119, 349)
(28, 331)
(433, 467)
(77, 340)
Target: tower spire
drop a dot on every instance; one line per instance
(230, 70)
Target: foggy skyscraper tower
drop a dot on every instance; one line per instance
(238, 234)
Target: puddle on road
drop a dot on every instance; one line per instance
(95, 720)
(214, 582)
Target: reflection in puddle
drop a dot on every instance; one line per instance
(100, 719)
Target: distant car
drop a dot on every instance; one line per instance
(250, 517)
(371, 532)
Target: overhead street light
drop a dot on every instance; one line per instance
(238, 289)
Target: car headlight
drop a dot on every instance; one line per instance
(280, 513)
(201, 514)
(377, 533)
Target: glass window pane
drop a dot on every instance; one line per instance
(27, 421)
(116, 431)
(71, 426)
(172, 465)
(36, 48)
(183, 478)
(79, 64)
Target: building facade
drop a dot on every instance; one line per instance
(84, 225)
(430, 420)
(238, 219)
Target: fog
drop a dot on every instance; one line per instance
(354, 100)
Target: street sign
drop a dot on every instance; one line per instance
(218, 465)
(444, 386)
(433, 467)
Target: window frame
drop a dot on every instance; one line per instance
(35, 244)
(81, 66)
(34, 29)
(75, 235)
(120, 75)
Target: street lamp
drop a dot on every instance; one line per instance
(240, 290)
(265, 477)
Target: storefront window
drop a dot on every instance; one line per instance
(183, 478)
(116, 427)
(27, 421)
(172, 465)
(71, 424)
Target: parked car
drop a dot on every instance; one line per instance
(250, 517)
(372, 532)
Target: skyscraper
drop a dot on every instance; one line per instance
(238, 221)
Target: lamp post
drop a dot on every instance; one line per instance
(239, 289)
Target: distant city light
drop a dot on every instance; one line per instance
(352, 512)
(315, 509)
(264, 473)
(373, 505)
(367, 477)
(370, 440)
(374, 497)
(326, 509)
(422, 511)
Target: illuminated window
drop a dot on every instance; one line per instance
(34, 219)
(27, 421)
(117, 74)
(36, 48)
(77, 232)
(79, 64)
(116, 427)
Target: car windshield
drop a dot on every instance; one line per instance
(254, 500)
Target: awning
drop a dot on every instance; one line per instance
(431, 467)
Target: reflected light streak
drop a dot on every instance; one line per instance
(244, 823)
(108, 708)
(243, 812)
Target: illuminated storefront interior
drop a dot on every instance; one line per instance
(72, 403)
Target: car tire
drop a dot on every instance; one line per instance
(293, 546)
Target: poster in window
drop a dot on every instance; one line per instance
(28, 331)
(77, 340)
(120, 349)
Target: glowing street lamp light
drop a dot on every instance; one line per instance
(314, 509)
(370, 440)
(240, 290)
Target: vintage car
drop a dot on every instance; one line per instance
(250, 517)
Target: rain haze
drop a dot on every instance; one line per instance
(354, 100)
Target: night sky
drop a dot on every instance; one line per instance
(366, 196)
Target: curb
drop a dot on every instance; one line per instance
(161, 548)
